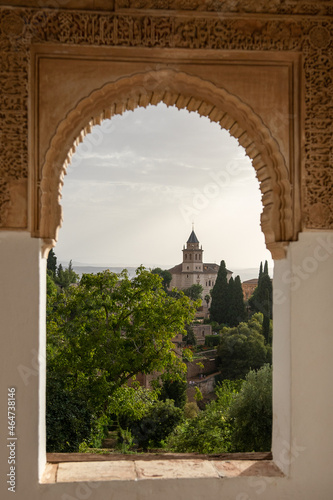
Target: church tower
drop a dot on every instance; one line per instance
(192, 255)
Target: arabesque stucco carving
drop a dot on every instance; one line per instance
(183, 91)
(278, 26)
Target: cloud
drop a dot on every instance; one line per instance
(130, 178)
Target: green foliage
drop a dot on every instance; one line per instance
(175, 389)
(61, 277)
(191, 410)
(243, 348)
(109, 328)
(227, 306)
(128, 404)
(251, 412)
(210, 431)
(261, 300)
(158, 423)
(52, 264)
(239, 305)
(219, 293)
(98, 431)
(198, 394)
(51, 294)
(187, 354)
(189, 338)
(101, 333)
(126, 441)
(165, 275)
(66, 277)
(194, 291)
(212, 340)
(226, 392)
(68, 417)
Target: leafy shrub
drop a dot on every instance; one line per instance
(99, 431)
(68, 418)
(174, 389)
(158, 423)
(191, 410)
(212, 340)
(210, 431)
(243, 348)
(129, 404)
(251, 412)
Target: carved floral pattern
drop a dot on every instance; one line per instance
(301, 29)
(309, 7)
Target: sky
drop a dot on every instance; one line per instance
(139, 181)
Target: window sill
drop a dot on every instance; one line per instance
(69, 468)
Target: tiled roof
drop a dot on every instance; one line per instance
(208, 268)
(193, 238)
(176, 269)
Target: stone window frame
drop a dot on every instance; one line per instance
(277, 223)
(256, 26)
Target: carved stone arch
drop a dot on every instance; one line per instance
(183, 91)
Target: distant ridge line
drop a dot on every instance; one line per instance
(245, 274)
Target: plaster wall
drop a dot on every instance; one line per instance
(303, 411)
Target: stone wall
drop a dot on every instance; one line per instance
(193, 370)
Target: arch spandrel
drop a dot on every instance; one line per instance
(183, 91)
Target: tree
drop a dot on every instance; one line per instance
(51, 293)
(194, 291)
(189, 338)
(261, 300)
(210, 430)
(251, 411)
(175, 389)
(231, 316)
(240, 310)
(159, 422)
(66, 277)
(219, 293)
(52, 264)
(109, 328)
(243, 348)
(207, 299)
(165, 275)
(68, 417)
(129, 404)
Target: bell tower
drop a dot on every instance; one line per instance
(192, 255)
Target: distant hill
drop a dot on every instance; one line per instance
(244, 273)
(96, 269)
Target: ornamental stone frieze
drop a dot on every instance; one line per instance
(141, 42)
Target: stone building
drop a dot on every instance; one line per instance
(193, 270)
(201, 332)
(261, 70)
(248, 287)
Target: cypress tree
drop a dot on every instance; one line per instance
(260, 271)
(239, 301)
(261, 300)
(231, 318)
(219, 304)
(52, 264)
